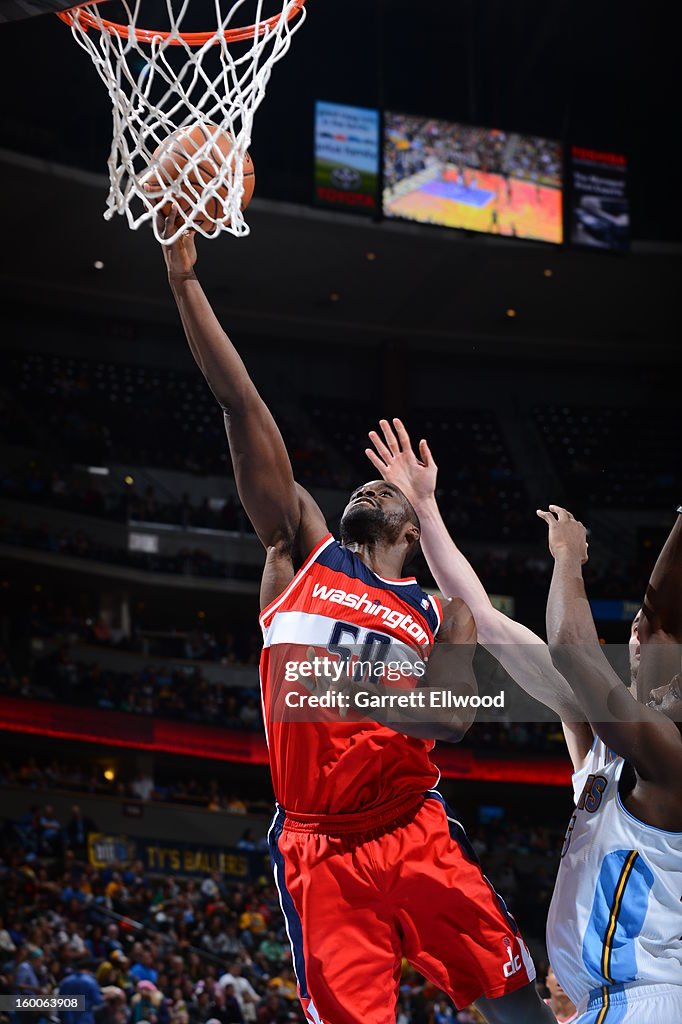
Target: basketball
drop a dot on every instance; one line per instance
(208, 149)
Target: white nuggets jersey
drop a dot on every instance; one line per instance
(598, 756)
(615, 921)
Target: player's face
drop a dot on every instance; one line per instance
(553, 985)
(668, 699)
(634, 645)
(376, 510)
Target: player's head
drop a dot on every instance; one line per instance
(379, 512)
(553, 986)
(634, 646)
(668, 699)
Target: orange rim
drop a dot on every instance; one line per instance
(231, 35)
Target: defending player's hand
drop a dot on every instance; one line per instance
(396, 461)
(181, 256)
(567, 536)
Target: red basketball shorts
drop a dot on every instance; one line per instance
(359, 895)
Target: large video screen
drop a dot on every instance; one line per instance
(478, 179)
(600, 212)
(347, 157)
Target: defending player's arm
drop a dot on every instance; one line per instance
(647, 739)
(448, 670)
(520, 652)
(283, 514)
(660, 624)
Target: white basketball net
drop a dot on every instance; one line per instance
(158, 87)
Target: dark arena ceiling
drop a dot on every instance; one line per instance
(594, 75)
(306, 274)
(598, 75)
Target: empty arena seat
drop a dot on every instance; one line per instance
(612, 456)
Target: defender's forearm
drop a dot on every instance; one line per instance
(450, 670)
(648, 740)
(451, 570)
(569, 616)
(438, 709)
(520, 652)
(662, 608)
(660, 624)
(574, 645)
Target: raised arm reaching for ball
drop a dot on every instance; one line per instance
(287, 520)
(520, 652)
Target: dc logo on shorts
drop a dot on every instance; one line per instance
(513, 964)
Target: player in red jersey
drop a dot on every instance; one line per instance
(369, 862)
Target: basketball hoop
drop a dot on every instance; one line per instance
(161, 81)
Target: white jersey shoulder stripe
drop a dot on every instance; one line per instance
(407, 581)
(309, 629)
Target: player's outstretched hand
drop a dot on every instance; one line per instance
(567, 536)
(394, 458)
(181, 255)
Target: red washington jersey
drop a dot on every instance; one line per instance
(336, 605)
